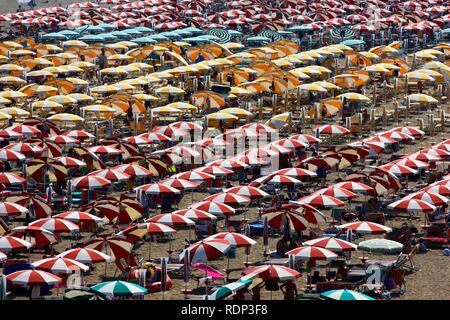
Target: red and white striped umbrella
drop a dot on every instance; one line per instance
(281, 179)
(180, 184)
(157, 188)
(78, 216)
(235, 239)
(277, 218)
(291, 143)
(25, 148)
(110, 174)
(251, 161)
(70, 162)
(412, 205)
(59, 265)
(397, 135)
(259, 127)
(204, 251)
(229, 199)
(105, 150)
(195, 214)
(297, 173)
(85, 255)
(62, 139)
(9, 134)
(306, 138)
(11, 178)
(338, 193)
(311, 253)
(356, 18)
(439, 189)
(186, 126)
(194, 176)
(364, 27)
(9, 209)
(357, 187)
(171, 219)
(33, 278)
(383, 139)
(430, 197)
(228, 164)
(3, 256)
(330, 129)
(301, 18)
(215, 208)
(415, 164)
(214, 170)
(55, 225)
(332, 244)
(133, 170)
(171, 132)
(35, 235)
(24, 129)
(10, 155)
(411, 131)
(8, 243)
(250, 192)
(271, 272)
(79, 134)
(90, 182)
(423, 156)
(398, 169)
(138, 141)
(155, 136)
(365, 227)
(444, 154)
(321, 201)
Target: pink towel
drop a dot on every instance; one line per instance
(210, 272)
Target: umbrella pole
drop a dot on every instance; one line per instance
(206, 279)
(150, 248)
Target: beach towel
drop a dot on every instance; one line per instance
(210, 272)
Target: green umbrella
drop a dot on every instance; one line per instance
(121, 34)
(119, 289)
(143, 29)
(92, 38)
(132, 32)
(446, 31)
(344, 294)
(383, 246)
(353, 42)
(229, 289)
(159, 37)
(258, 39)
(69, 33)
(107, 36)
(234, 32)
(285, 33)
(90, 29)
(192, 30)
(107, 26)
(54, 35)
(144, 40)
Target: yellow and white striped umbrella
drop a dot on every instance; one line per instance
(419, 98)
(40, 73)
(129, 69)
(162, 75)
(299, 74)
(424, 55)
(353, 96)
(321, 69)
(15, 81)
(15, 112)
(3, 59)
(113, 71)
(120, 57)
(170, 90)
(183, 69)
(238, 112)
(279, 121)
(77, 81)
(11, 94)
(375, 68)
(9, 67)
(124, 87)
(5, 101)
(82, 64)
(182, 106)
(79, 97)
(117, 46)
(22, 53)
(420, 76)
(4, 116)
(98, 108)
(201, 67)
(38, 89)
(166, 109)
(312, 87)
(74, 43)
(44, 104)
(233, 45)
(327, 85)
(104, 89)
(62, 100)
(141, 65)
(13, 45)
(145, 97)
(221, 116)
(129, 44)
(310, 71)
(136, 82)
(238, 91)
(438, 77)
(65, 117)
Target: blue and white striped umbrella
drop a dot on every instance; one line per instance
(344, 294)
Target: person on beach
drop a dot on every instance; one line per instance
(289, 289)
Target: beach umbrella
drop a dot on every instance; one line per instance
(381, 246)
(41, 207)
(398, 169)
(424, 156)
(250, 192)
(33, 278)
(235, 239)
(442, 190)
(8, 209)
(415, 164)
(110, 174)
(281, 179)
(338, 193)
(215, 208)
(195, 214)
(331, 129)
(25, 148)
(271, 272)
(119, 289)
(180, 184)
(89, 182)
(171, 219)
(229, 199)
(229, 289)
(412, 205)
(157, 188)
(133, 170)
(311, 253)
(55, 225)
(115, 246)
(85, 255)
(297, 173)
(78, 217)
(357, 187)
(59, 265)
(344, 294)
(214, 170)
(10, 155)
(411, 131)
(320, 201)
(69, 162)
(332, 244)
(9, 243)
(365, 227)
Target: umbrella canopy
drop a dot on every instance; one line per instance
(271, 272)
(85, 255)
(235, 239)
(381, 246)
(365, 227)
(412, 205)
(9, 243)
(332, 244)
(229, 289)
(344, 294)
(59, 265)
(206, 250)
(33, 278)
(55, 225)
(119, 289)
(311, 253)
